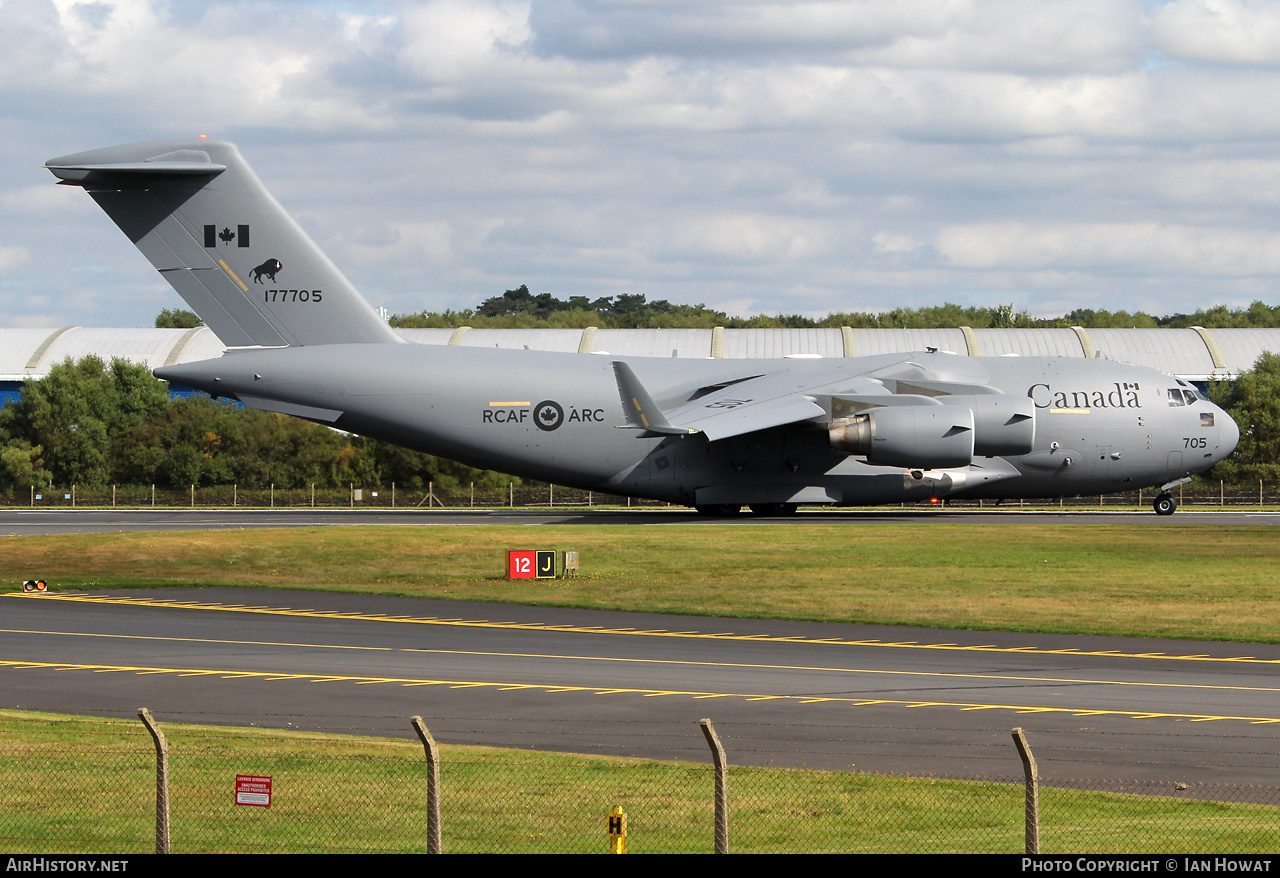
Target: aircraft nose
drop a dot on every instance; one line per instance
(1228, 434)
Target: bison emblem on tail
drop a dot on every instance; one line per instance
(269, 268)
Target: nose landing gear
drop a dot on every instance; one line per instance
(1164, 504)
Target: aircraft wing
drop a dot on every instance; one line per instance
(745, 406)
(774, 399)
(757, 404)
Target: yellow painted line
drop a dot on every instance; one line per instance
(831, 669)
(276, 676)
(593, 629)
(228, 270)
(199, 640)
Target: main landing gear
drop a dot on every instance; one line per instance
(730, 510)
(719, 510)
(1164, 504)
(773, 510)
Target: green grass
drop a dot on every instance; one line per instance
(1151, 580)
(80, 785)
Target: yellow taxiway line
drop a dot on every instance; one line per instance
(562, 628)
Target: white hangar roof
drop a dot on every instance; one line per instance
(1195, 354)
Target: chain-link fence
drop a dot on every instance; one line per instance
(534, 495)
(90, 787)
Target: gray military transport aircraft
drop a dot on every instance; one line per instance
(713, 434)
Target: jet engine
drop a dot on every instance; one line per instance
(938, 436)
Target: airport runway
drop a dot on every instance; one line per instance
(43, 521)
(898, 700)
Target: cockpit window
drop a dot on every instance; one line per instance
(1175, 397)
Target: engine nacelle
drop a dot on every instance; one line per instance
(923, 436)
(1003, 424)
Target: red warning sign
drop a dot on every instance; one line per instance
(253, 790)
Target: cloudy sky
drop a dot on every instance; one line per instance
(758, 156)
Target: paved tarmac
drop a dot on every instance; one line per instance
(48, 521)
(834, 696)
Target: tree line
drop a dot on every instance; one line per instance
(521, 309)
(92, 423)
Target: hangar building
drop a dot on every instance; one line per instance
(1196, 354)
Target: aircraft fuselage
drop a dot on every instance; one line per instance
(1098, 426)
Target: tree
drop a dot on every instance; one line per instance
(176, 318)
(21, 466)
(1253, 399)
(79, 412)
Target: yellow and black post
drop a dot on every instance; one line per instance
(617, 831)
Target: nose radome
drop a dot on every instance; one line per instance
(1228, 435)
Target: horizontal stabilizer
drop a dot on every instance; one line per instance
(112, 171)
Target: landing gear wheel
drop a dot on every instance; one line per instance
(773, 510)
(719, 510)
(1164, 504)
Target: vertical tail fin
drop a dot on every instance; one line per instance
(201, 216)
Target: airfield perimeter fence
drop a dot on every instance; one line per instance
(90, 786)
(526, 495)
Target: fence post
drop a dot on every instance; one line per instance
(1033, 791)
(162, 780)
(722, 786)
(433, 784)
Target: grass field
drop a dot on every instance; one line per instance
(1167, 580)
(80, 785)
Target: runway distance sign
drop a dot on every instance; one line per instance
(531, 564)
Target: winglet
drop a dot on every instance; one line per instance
(641, 411)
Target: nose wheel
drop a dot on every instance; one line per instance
(1164, 504)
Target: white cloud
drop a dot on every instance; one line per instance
(13, 257)
(1149, 248)
(1219, 31)
(796, 155)
(888, 242)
